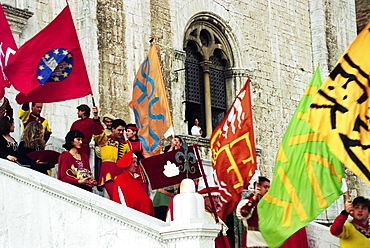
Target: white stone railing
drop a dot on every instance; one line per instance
(318, 236)
(41, 211)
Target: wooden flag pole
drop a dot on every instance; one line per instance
(199, 161)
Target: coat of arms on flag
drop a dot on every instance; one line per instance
(56, 65)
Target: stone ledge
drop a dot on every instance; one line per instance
(17, 18)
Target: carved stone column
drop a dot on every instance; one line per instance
(207, 96)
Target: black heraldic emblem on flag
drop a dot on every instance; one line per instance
(56, 65)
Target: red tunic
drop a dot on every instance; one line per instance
(65, 161)
(137, 148)
(86, 127)
(133, 193)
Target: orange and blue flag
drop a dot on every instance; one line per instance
(150, 106)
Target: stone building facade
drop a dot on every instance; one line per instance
(276, 43)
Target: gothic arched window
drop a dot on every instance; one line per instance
(208, 57)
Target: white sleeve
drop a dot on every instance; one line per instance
(121, 197)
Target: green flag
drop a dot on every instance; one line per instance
(307, 177)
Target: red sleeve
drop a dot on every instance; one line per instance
(337, 227)
(97, 127)
(247, 208)
(64, 163)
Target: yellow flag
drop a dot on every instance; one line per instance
(340, 110)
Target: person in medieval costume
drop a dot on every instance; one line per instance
(127, 190)
(137, 147)
(112, 148)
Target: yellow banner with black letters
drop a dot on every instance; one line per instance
(340, 110)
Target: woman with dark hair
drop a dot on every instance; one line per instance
(196, 130)
(33, 140)
(8, 145)
(73, 166)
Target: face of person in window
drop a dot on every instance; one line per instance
(196, 122)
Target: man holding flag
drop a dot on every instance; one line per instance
(307, 177)
(112, 148)
(247, 212)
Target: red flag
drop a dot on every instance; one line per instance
(7, 49)
(233, 151)
(171, 168)
(50, 66)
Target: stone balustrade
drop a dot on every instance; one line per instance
(41, 211)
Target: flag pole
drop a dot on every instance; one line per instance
(199, 161)
(93, 100)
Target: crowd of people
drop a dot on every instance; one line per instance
(118, 152)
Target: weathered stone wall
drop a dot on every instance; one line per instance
(362, 13)
(279, 51)
(113, 87)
